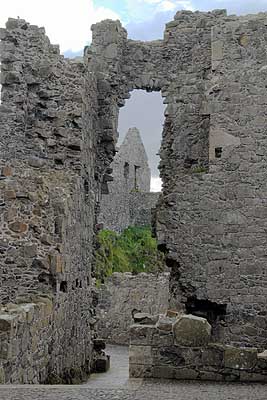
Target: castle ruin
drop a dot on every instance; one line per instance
(129, 201)
(59, 121)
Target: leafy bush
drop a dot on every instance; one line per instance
(134, 250)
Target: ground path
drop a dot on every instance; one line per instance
(115, 385)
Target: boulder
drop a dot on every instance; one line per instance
(191, 331)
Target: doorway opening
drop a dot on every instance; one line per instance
(144, 111)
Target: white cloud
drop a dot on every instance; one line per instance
(67, 22)
(169, 5)
(156, 184)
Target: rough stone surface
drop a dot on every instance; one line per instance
(190, 330)
(48, 189)
(58, 137)
(129, 201)
(211, 70)
(123, 296)
(158, 354)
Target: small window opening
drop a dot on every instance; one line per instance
(218, 152)
(59, 161)
(126, 170)
(136, 168)
(63, 287)
(86, 186)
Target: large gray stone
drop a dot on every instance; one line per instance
(190, 330)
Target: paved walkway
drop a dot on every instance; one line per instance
(115, 385)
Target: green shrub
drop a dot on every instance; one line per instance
(134, 250)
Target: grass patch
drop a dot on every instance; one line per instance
(134, 250)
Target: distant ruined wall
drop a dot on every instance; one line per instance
(48, 189)
(142, 206)
(123, 294)
(128, 201)
(211, 215)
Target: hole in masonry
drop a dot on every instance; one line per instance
(86, 186)
(63, 287)
(207, 309)
(218, 152)
(126, 170)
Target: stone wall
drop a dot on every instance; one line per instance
(211, 216)
(58, 135)
(212, 222)
(128, 201)
(181, 348)
(24, 349)
(49, 180)
(125, 294)
(141, 208)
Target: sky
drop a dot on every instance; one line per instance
(68, 23)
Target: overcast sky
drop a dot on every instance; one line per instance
(68, 22)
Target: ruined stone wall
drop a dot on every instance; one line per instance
(213, 223)
(124, 294)
(210, 221)
(142, 206)
(180, 347)
(128, 202)
(47, 159)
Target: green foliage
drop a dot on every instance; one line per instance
(134, 250)
(199, 170)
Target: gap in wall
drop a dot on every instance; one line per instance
(145, 111)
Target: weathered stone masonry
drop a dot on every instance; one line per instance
(58, 135)
(124, 294)
(129, 201)
(47, 210)
(211, 218)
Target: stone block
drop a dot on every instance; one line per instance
(142, 334)
(7, 323)
(18, 227)
(163, 372)
(164, 323)
(213, 356)
(185, 373)
(2, 375)
(102, 364)
(141, 355)
(246, 376)
(6, 171)
(210, 376)
(263, 355)
(172, 314)
(217, 50)
(190, 330)
(145, 319)
(240, 358)
(172, 355)
(56, 264)
(140, 371)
